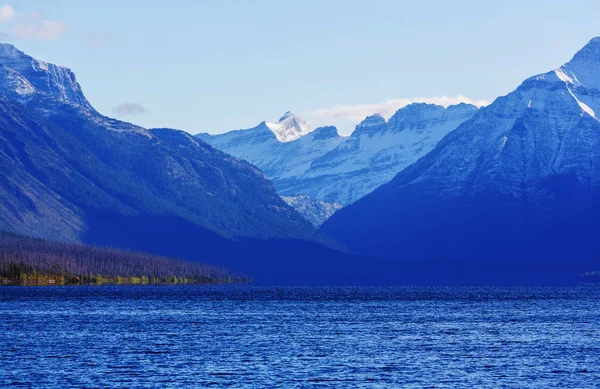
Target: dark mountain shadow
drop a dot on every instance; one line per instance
(298, 262)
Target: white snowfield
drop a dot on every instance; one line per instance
(325, 166)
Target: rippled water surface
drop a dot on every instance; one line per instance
(244, 336)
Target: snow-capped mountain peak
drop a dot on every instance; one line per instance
(286, 115)
(328, 132)
(9, 51)
(589, 54)
(289, 127)
(371, 124)
(584, 68)
(336, 169)
(526, 163)
(23, 78)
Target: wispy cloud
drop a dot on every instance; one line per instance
(387, 108)
(128, 109)
(30, 25)
(7, 12)
(50, 30)
(46, 30)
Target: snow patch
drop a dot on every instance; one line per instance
(583, 106)
(563, 76)
(41, 65)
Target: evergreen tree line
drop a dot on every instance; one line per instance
(37, 261)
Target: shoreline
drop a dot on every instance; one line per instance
(110, 281)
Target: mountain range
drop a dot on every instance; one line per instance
(429, 195)
(520, 179)
(331, 168)
(71, 174)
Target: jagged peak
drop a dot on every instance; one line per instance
(289, 127)
(13, 55)
(428, 111)
(372, 120)
(327, 132)
(414, 115)
(371, 123)
(462, 106)
(8, 50)
(584, 68)
(420, 107)
(25, 73)
(287, 115)
(591, 51)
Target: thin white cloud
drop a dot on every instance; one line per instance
(7, 12)
(358, 112)
(31, 25)
(127, 109)
(46, 30)
(51, 30)
(23, 30)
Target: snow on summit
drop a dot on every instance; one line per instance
(578, 82)
(526, 165)
(289, 127)
(328, 167)
(23, 77)
(583, 73)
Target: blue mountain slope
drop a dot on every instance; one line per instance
(69, 173)
(500, 186)
(61, 162)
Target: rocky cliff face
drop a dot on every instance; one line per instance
(24, 79)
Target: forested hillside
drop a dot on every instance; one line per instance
(27, 261)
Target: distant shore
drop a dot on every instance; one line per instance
(97, 280)
(28, 261)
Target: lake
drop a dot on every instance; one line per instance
(250, 336)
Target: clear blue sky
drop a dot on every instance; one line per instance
(211, 66)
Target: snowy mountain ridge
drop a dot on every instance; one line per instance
(527, 163)
(24, 78)
(335, 169)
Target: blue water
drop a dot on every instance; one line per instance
(244, 336)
